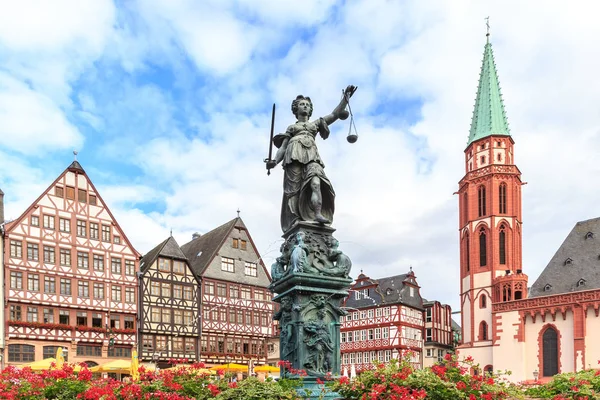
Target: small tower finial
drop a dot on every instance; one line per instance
(75, 152)
(171, 233)
(487, 25)
(238, 212)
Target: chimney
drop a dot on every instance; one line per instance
(195, 235)
(1, 206)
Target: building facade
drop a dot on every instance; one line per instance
(236, 305)
(169, 308)
(536, 333)
(385, 319)
(439, 338)
(70, 276)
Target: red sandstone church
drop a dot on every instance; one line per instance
(550, 327)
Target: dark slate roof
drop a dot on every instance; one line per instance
(390, 290)
(201, 251)
(75, 166)
(168, 248)
(577, 259)
(455, 325)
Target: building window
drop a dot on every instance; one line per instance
(96, 320)
(49, 221)
(481, 201)
(129, 267)
(92, 200)
(468, 251)
(106, 233)
(116, 239)
(64, 225)
(130, 295)
(502, 198)
(178, 317)
(155, 288)
(428, 315)
(32, 314)
(227, 264)
(49, 284)
(178, 267)
(63, 317)
(50, 352)
(166, 315)
(16, 249)
(48, 316)
(155, 314)
(94, 230)
(246, 294)
(115, 265)
(482, 160)
(482, 248)
(128, 322)
(35, 220)
(550, 352)
(165, 289)
(16, 280)
(65, 286)
(178, 344)
(89, 350)
(502, 244)
(250, 269)
(483, 331)
(483, 301)
(65, 257)
(235, 243)
(429, 353)
(33, 282)
(161, 343)
(33, 252)
(83, 289)
(21, 353)
(243, 244)
(81, 318)
(49, 257)
(164, 265)
(81, 228)
(99, 291)
(82, 196)
(70, 192)
(209, 288)
(116, 293)
(83, 260)
(147, 342)
(15, 313)
(122, 352)
(428, 336)
(98, 262)
(221, 290)
(187, 318)
(234, 292)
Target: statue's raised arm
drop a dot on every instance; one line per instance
(307, 192)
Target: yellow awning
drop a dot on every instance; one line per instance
(116, 366)
(266, 368)
(40, 365)
(230, 367)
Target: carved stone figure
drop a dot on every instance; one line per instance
(343, 264)
(307, 192)
(277, 269)
(298, 258)
(319, 344)
(284, 316)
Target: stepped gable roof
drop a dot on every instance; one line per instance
(489, 116)
(167, 248)
(202, 250)
(575, 265)
(390, 290)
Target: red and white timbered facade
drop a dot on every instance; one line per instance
(70, 276)
(439, 338)
(384, 321)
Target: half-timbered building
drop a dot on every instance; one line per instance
(439, 338)
(384, 321)
(236, 306)
(70, 277)
(169, 308)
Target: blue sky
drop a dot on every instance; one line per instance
(168, 103)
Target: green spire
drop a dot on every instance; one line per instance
(489, 117)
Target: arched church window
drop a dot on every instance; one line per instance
(550, 352)
(481, 200)
(465, 207)
(502, 198)
(482, 248)
(467, 251)
(502, 244)
(483, 301)
(483, 331)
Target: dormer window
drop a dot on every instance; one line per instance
(589, 235)
(547, 288)
(388, 291)
(569, 261)
(581, 283)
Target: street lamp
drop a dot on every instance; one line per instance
(535, 375)
(155, 358)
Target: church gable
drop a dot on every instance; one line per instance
(574, 266)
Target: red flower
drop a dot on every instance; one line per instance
(213, 389)
(233, 385)
(461, 385)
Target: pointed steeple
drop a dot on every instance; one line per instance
(489, 117)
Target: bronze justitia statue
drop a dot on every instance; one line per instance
(307, 192)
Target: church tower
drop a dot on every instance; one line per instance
(489, 218)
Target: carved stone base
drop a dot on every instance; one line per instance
(310, 282)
